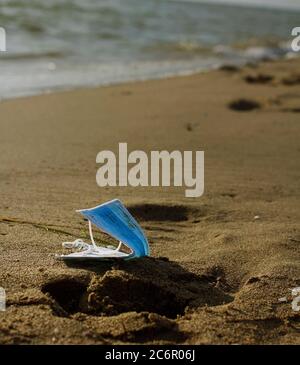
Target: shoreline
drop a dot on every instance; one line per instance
(219, 64)
(67, 89)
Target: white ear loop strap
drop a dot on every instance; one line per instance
(83, 245)
(91, 235)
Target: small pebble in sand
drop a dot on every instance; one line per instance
(257, 217)
(282, 300)
(189, 127)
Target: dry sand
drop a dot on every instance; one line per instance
(216, 273)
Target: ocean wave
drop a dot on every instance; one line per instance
(251, 49)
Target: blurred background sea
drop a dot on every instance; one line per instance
(64, 44)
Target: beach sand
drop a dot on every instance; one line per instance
(219, 263)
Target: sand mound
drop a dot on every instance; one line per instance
(147, 285)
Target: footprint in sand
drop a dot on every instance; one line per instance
(259, 79)
(159, 212)
(291, 80)
(150, 285)
(291, 110)
(244, 105)
(288, 103)
(229, 68)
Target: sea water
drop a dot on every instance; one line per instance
(64, 44)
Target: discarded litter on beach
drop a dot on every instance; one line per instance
(114, 219)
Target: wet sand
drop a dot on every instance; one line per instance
(219, 263)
